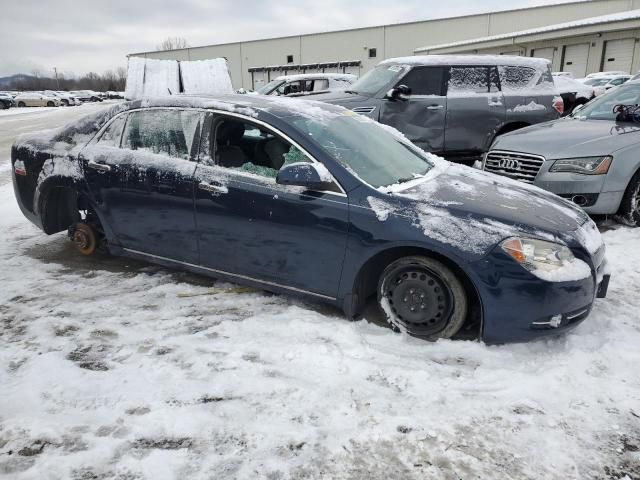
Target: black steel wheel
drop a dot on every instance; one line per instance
(629, 212)
(423, 297)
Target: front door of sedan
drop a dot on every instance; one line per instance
(140, 176)
(251, 227)
(422, 116)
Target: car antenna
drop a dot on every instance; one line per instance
(169, 91)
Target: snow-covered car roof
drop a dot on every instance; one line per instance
(567, 85)
(506, 60)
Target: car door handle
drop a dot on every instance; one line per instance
(207, 187)
(100, 167)
(435, 107)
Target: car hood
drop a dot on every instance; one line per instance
(474, 210)
(568, 138)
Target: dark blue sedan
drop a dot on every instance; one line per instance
(312, 199)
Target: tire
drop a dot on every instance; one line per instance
(50, 104)
(423, 297)
(21, 104)
(65, 102)
(629, 213)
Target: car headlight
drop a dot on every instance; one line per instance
(537, 255)
(584, 165)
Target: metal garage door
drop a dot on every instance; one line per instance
(618, 55)
(547, 53)
(575, 59)
(259, 79)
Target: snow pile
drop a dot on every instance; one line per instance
(161, 78)
(532, 106)
(135, 78)
(381, 208)
(590, 236)
(570, 271)
(206, 76)
(148, 77)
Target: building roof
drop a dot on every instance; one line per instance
(585, 22)
(468, 60)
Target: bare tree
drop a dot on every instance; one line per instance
(121, 78)
(173, 43)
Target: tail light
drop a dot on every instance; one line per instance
(558, 104)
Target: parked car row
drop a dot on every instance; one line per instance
(53, 98)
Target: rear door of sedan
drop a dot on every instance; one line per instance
(251, 227)
(140, 175)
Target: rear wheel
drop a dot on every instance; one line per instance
(422, 297)
(50, 104)
(629, 212)
(21, 104)
(84, 238)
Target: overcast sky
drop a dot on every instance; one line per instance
(78, 37)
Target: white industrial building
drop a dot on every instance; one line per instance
(580, 37)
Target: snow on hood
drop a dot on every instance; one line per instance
(473, 210)
(566, 138)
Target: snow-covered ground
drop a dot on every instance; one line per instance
(115, 369)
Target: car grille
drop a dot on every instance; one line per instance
(519, 166)
(364, 110)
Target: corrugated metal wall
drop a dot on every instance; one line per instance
(391, 40)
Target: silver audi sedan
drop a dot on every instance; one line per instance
(591, 157)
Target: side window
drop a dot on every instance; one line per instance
(112, 134)
(167, 132)
(320, 85)
(246, 147)
(514, 78)
(289, 88)
(469, 80)
(424, 80)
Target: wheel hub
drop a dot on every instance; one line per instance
(420, 300)
(84, 238)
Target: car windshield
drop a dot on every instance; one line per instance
(369, 151)
(602, 107)
(374, 80)
(266, 89)
(597, 82)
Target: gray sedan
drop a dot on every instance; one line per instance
(591, 157)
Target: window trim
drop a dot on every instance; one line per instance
(193, 157)
(280, 134)
(246, 118)
(444, 80)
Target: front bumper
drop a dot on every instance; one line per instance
(519, 307)
(580, 188)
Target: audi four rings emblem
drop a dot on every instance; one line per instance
(509, 163)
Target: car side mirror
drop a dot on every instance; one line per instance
(401, 92)
(313, 176)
